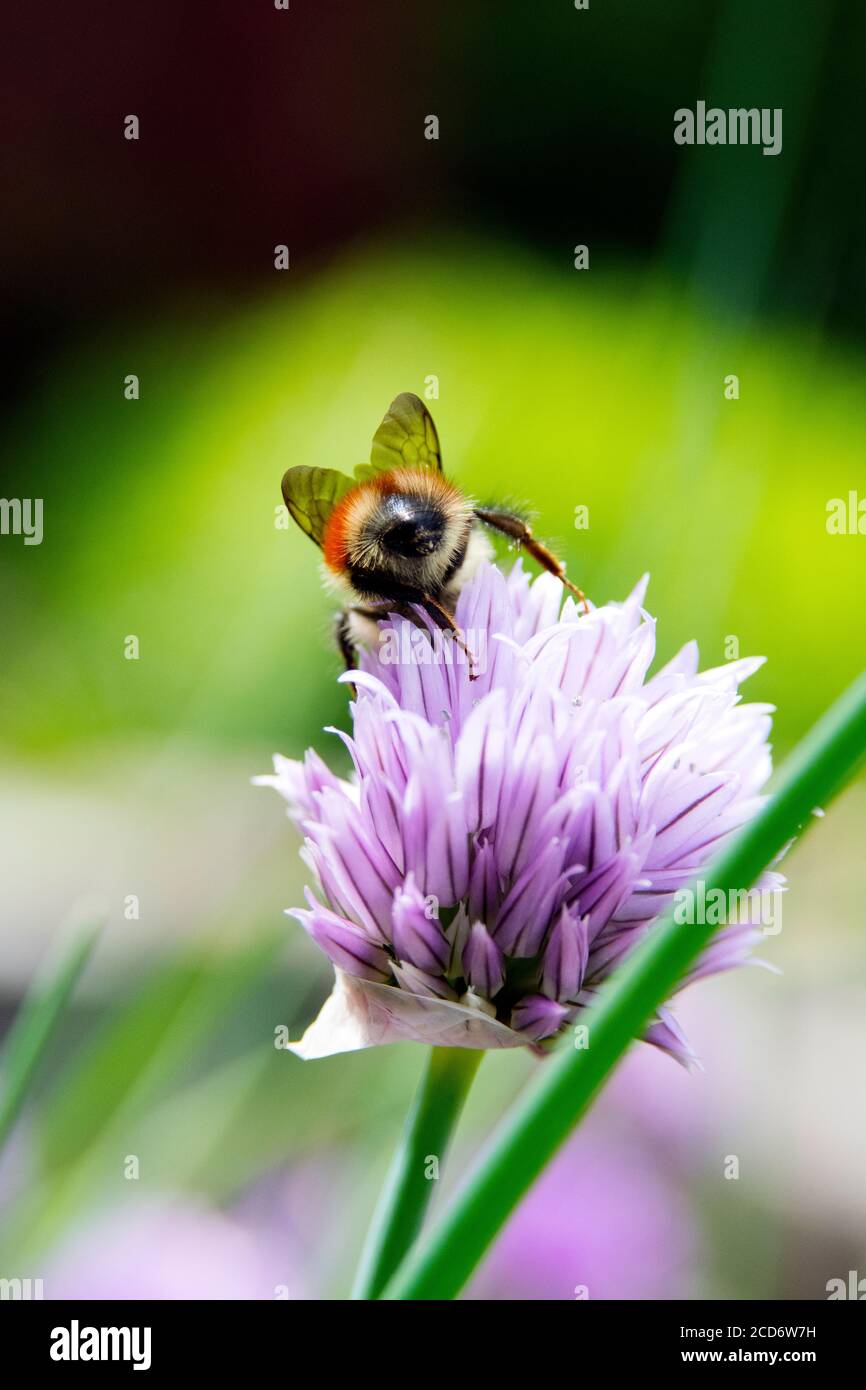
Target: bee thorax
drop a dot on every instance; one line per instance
(410, 527)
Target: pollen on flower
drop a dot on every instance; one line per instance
(551, 809)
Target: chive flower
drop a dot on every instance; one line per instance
(515, 825)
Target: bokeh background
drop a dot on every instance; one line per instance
(603, 388)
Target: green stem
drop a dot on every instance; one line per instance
(439, 1264)
(408, 1187)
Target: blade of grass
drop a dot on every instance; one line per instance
(448, 1074)
(89, 1115)
(145, 1042)
(440, 1263)
(36, 1020)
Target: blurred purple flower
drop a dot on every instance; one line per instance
(169, 1248)
(506, 840)
(597, 1225)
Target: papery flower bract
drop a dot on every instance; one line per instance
(506, 840)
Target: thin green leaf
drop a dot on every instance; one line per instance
(88, 1117)
(439, 1264)
(31, 1033)
(145, 1043)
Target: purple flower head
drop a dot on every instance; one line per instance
(506, 840)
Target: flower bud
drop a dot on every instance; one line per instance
(537, 1016)
(483, 962)
(418, 938)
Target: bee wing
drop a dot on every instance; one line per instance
(311, 495)
(406, 438)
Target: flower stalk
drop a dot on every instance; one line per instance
(440, 1264)
(409, 1186)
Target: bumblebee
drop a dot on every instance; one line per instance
(399, 535)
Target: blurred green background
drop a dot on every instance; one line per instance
(557, 388)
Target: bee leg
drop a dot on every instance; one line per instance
(521, 532)
(345, 637)
(345, 643)
(447, 623)
(435, 610)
